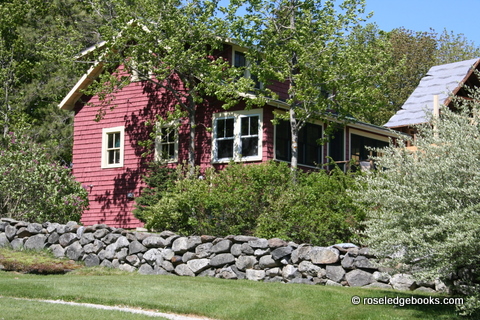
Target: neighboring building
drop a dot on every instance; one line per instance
(107, 158)
(438, 86)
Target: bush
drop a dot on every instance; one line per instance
(158, 178)
(259, 200)
(33, 187)
(424, 207)
(316, 210)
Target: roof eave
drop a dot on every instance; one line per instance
(68, 103)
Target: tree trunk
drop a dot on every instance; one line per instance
(294, 136)
(191, 142)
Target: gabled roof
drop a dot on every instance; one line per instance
(444, 81)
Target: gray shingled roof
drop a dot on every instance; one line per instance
(440, 80)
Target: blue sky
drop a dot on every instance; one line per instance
(461, 16)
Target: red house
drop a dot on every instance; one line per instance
(107, 158)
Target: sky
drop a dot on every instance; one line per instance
(460, 16)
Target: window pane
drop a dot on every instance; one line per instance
(282, 141)
(225, 148)
(113, 156)
(117, 156)
(110, 140)
(245, 124)
(229, 127)
(225, 128)
(117, 139)
(254, 125)
(249, 126)
(240, 60)
(168, 151)
(249, 147)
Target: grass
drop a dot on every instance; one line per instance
(11, 308)
(40, 262)
(215, 298)
(210, 297)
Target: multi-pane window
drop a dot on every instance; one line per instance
(112, 147)
(309, 151)
(237, 136)
(225, 137)
(166, 144)
(249, 135)
(240, 61)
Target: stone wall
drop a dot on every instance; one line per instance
(231, 257)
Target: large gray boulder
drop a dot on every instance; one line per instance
(67, 239)
(221, 247)
(136, 247)
(335, 273)
(222, 259)
(245, 262)
(281, 252)
(36, 242)
(4, 240)
(74, 251)
(91, 260)
(401, 281)
(359, 278)
(180, 245)
(154, 242)
(184, 270)
(255, 275)
(198, 265)
(321, 255)
(258, 243)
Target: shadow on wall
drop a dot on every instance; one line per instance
(127, 184)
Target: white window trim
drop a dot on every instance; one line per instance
(158, 144)
(237, 116)
(367, 135)
(246, 72)
(105, 132)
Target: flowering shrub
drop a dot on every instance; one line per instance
(33, 187)
(425, 205)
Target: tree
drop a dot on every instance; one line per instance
(423, 206)
(33, 186)
(37, 41)
(454, 47)
(412, 54)
(172, 45)
(304, 43)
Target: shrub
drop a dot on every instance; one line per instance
(258, 200)
(424, 207)
(315, 210)
(158, 178)
(33, 187)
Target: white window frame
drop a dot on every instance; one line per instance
(237, 144)
(159, 144)
(105, 150)
(246, 72)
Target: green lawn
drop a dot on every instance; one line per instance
(215, 298)
(11, 308)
